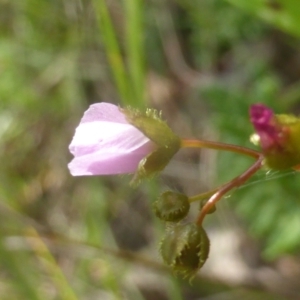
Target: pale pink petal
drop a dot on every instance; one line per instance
(104, 112)
(105, 143)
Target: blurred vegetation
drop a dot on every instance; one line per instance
(203, 62)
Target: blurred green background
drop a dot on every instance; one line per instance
(203, 63)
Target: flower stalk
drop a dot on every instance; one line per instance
(219, 146)
(234, 183)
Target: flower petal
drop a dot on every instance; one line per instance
(104, 143)
(104, 112)
(101, 163)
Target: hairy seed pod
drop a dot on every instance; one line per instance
(171, 206)
(185, 248)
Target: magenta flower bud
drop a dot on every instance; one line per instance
(279, 136)
(105, 143)
(271, 134)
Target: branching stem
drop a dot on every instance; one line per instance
(234, 183)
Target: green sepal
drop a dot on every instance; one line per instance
(153, 127)
(185, 248)
(153, 163)
(288, 155)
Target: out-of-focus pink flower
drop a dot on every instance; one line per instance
(272, 135)
(105, 143)
(278, 137)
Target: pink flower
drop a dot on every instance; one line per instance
(272, 134)
(278, 136)
(105, 143)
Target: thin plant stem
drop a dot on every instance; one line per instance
(236, 182)
(135, 53)
(185, 143)
(113, 49)
(220, 146)
(204, 195)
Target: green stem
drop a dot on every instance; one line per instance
(236, 182)
(113, 49)
(219, 146)
(203, 196)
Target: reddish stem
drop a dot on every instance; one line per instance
(237, 181)
(219, 146)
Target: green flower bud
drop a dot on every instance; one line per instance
(153, 127)
(185, 248)
(171, 206)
